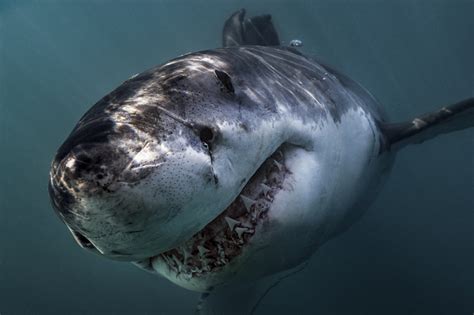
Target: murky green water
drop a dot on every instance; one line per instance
(413, 253)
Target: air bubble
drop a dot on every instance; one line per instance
(296, 43)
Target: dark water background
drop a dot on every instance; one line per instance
(413, 253)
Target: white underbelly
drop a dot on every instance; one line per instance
(329, 187)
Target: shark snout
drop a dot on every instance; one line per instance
(95, 194)
(87, 170)
(120, 191)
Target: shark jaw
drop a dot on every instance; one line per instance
(225, 238)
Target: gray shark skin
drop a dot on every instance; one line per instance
(222, 167)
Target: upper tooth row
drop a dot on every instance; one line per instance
(248, 202)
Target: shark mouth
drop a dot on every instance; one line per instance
(224, 238)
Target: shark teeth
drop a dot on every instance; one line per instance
(278, 164)
(172, 261)
(212, 249)
(231, 222)
(239, 231)
(265, 188)
(186, 254)
(246, 225)
(187, 276)
(248, 202)
(165, 259)
(202, 250)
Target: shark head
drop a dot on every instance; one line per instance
(157, 160)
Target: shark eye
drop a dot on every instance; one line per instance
(206, 135)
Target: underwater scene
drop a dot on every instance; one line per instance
(237, 157)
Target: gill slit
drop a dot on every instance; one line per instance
(211, 156)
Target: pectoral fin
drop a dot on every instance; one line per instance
(424, 127)
(244, 298)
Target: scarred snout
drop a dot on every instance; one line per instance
(93, 184)
(129, 194)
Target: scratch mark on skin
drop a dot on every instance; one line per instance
(146, 166)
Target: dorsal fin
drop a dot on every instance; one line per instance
(424, 127)
(258, 30)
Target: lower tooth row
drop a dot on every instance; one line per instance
(254, 209)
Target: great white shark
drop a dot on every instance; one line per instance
(225, 166)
